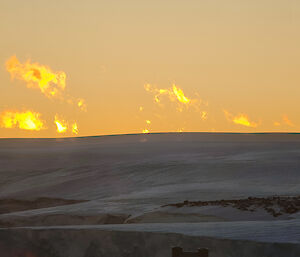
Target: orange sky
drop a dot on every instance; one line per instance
(234, 65)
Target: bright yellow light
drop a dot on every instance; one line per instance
(180, 95)
(27, 120)
(174, 93)
(50, 83)
(81, 104)
(240, 119)
(61, 125)
(75, 128)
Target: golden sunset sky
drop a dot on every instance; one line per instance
(236, 63)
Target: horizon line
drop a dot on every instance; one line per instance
(156, 133)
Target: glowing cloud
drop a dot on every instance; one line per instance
(287, 121)
(61, 125)
(81, 104)
(146, 131)
(276, 124)
(174, 94)
(27, 120)
(204, 115)
(180, 95)
(50, 83)
(240, 119)
(75, 128)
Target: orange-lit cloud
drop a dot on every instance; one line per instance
(182, 103)
(50, 83)
(81, 104)
(147, 130)
(240, 119)
(61, 125)
(75, 128)
(174, 93)
(204, 115)
(276, 124)
(287, 121)
(27, 120)
(180, 95)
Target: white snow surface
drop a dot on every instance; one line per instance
(284, 231)
(135, 174)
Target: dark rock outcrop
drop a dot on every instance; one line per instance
(275, 205)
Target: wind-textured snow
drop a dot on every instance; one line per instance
(138, 173)
(284, 231)
(152, 169)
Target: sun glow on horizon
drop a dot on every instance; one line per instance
(106, 74)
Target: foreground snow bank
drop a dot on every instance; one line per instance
(89, 242)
